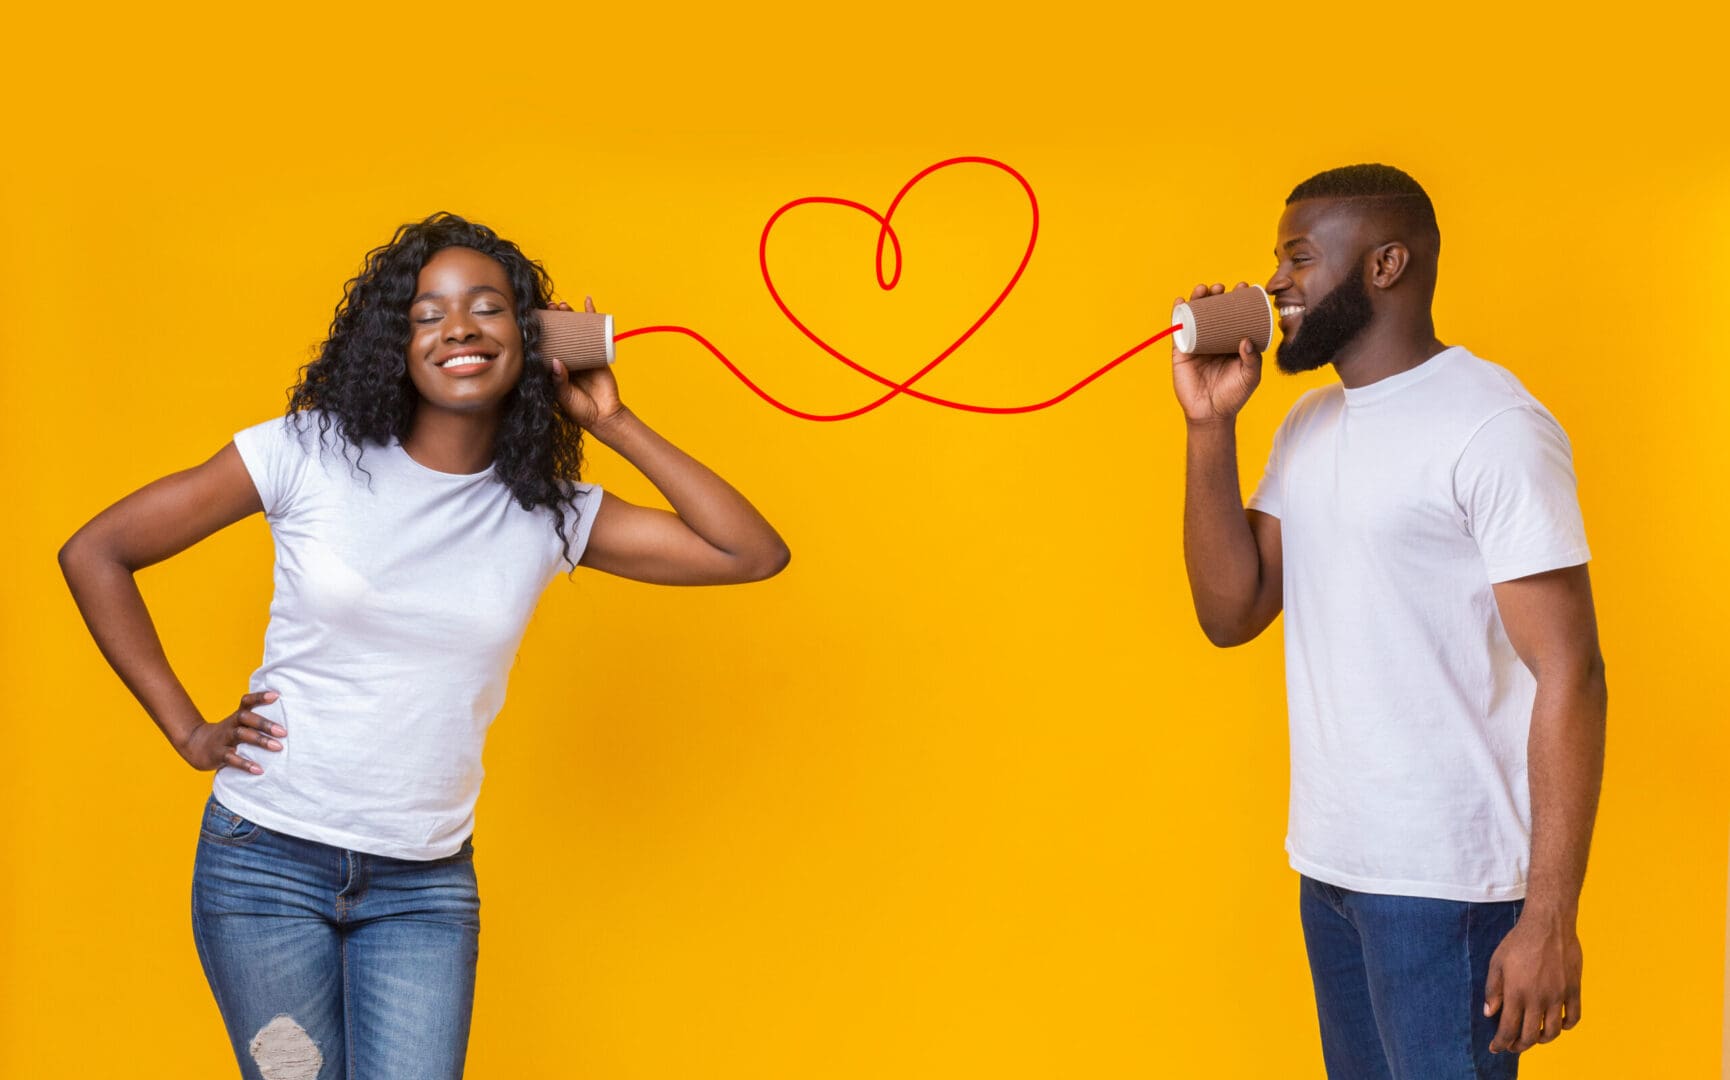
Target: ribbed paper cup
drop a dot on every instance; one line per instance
(1215, 324)
(577, 339)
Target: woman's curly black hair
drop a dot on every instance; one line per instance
(360, 383)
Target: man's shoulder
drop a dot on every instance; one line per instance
(1471, 392)
(1481, 380)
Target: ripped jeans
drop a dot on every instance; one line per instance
(330, 964)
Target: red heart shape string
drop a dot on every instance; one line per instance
(886, 233)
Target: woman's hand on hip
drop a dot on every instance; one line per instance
(214, 745)
(590, 397)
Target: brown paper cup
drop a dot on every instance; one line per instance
(1215, 324)
(577, 339)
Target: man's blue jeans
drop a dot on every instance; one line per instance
(329, 964)
(1399, 983)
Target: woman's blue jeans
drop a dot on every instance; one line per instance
(330, 964)
(1399, 983)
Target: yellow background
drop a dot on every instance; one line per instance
(964, 792)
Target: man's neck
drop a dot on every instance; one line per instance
(1381, 352)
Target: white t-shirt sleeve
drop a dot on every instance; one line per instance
(276, 457)
(1515, 484)
(1266, 497)
(587, 505)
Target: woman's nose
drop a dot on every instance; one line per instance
(459, 327)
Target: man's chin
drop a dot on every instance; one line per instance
(1297, 361)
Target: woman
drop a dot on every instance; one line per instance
(422, 493)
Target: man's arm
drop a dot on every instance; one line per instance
(1535, 972)
(1233, 557)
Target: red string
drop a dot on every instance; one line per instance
(886, 232)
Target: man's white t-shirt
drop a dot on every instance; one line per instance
(1400, 504)
(401, 596)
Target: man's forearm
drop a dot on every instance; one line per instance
(1565, 768)
(1219, 550)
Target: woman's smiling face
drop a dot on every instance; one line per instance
(465, 349)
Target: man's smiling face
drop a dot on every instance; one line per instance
(1318, 285)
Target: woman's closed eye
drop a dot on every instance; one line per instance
(479, 311)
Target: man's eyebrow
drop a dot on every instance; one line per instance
(471, 292)
(1289, 244)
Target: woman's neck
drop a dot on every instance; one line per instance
(452, 442)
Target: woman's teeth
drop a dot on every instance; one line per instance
(459, 361)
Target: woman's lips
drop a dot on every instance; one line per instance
(472, 364)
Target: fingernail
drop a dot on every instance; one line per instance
(270, 695)
(272, 744)
(278, 730)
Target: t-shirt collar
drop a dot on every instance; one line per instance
(1381, 389)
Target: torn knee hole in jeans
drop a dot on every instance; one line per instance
(284, 1051)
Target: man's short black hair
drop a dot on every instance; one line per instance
(1394, 191)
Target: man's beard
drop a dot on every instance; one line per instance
(1328, 326)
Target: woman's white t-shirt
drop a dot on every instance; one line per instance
(401, 596)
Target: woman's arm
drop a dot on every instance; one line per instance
(714, 536)
(147, 526)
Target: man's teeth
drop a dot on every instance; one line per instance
(458, 361)
(1291, 309)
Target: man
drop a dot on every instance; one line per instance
(1418, 525)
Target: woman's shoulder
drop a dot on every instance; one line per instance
(302, 430)
(578, 490)
(285, 446)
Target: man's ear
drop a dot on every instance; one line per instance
(1388, 264)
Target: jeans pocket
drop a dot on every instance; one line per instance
(224, 826)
